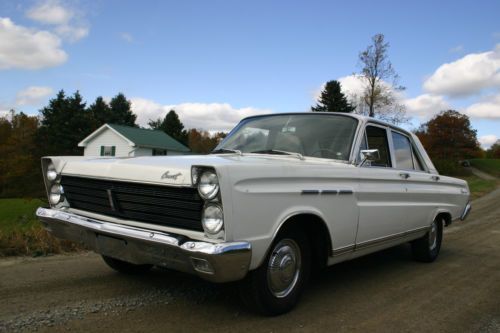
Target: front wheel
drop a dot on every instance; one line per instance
(275, 287)
(125, 267)
(426, 248)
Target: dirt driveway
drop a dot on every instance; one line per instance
(384, 292)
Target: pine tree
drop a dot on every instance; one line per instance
(332, 99)
(100, 112)
(121, 112)
(171, 125)
(65, 122)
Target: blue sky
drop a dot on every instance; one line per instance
(218, 61)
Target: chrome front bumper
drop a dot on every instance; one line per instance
(216, 262)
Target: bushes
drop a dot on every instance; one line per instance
(451, 168)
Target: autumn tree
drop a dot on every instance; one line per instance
(171, 125)
(449, 136)
(20, 173)
(494, 151)
(202, 142)
(332, 99)
(380, 81)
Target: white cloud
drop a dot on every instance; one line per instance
(207, 116)
(457, 49)
(32, 95)
(467, 75)
(487, 108)
(487, 140)
(67, 21)
(50, 12)
(426, 105)
(352, 85)
(72, 33)
(127, 37)
(25, 48)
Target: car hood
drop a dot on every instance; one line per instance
(176, 170)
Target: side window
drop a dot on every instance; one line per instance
(416, 161)
(377, 139)
(402, 151)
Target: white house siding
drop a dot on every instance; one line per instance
(139, 151)
(107, 138)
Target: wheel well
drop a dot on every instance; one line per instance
(317, 233)
(446, 217)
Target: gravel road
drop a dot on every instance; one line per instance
(383, 292)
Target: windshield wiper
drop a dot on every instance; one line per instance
(226, 151)
(279, 152)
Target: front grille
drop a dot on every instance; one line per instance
(179, 207)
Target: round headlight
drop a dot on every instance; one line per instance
(56, 192)
(213, 219)
(208, 185)
(51, 175)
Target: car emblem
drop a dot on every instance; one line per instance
(167, 175)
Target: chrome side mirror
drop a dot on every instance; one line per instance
(369, 155)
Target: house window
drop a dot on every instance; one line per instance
(159, 152)
(108, 150)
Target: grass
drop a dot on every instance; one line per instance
(22, 234)
(478, 186)
(491, 166)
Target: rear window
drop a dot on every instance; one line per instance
(402, 151)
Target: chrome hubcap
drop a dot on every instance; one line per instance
(284, 268)
(433, 236)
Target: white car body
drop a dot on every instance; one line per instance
(361, 209)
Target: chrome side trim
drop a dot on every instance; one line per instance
(390, 238)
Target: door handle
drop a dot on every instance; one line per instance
(404, 175)
(435, 178)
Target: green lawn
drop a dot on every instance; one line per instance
(22, 234)
(18, 214)
(491, 166)
(479, 187)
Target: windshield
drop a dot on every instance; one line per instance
(314, 135)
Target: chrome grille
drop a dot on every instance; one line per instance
(179, 207)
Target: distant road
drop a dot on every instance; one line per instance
(384, 292)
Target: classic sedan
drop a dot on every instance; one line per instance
(281, 195)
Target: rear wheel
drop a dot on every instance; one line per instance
(426, 248)
(275, 287)
(125, 267)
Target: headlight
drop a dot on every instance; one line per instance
(213, 219)
(208, 185)
(51, 175)
(56, 193)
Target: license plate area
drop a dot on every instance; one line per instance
(111, 246)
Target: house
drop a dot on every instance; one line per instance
(119, 140)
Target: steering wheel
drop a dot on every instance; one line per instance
(330, 152)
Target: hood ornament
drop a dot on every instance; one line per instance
(167, 175)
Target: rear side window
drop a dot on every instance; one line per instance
(402, 151)
(377, 139)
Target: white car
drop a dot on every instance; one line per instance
(281, 195)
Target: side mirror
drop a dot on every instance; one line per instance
(369, 155)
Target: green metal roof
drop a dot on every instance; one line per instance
(149, 138)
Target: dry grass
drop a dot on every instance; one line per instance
(33, 242)
(22, 234)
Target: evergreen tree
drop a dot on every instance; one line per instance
(171, 125)
(65, 122)
(121, 112)
(100, 112)
(332, 99)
